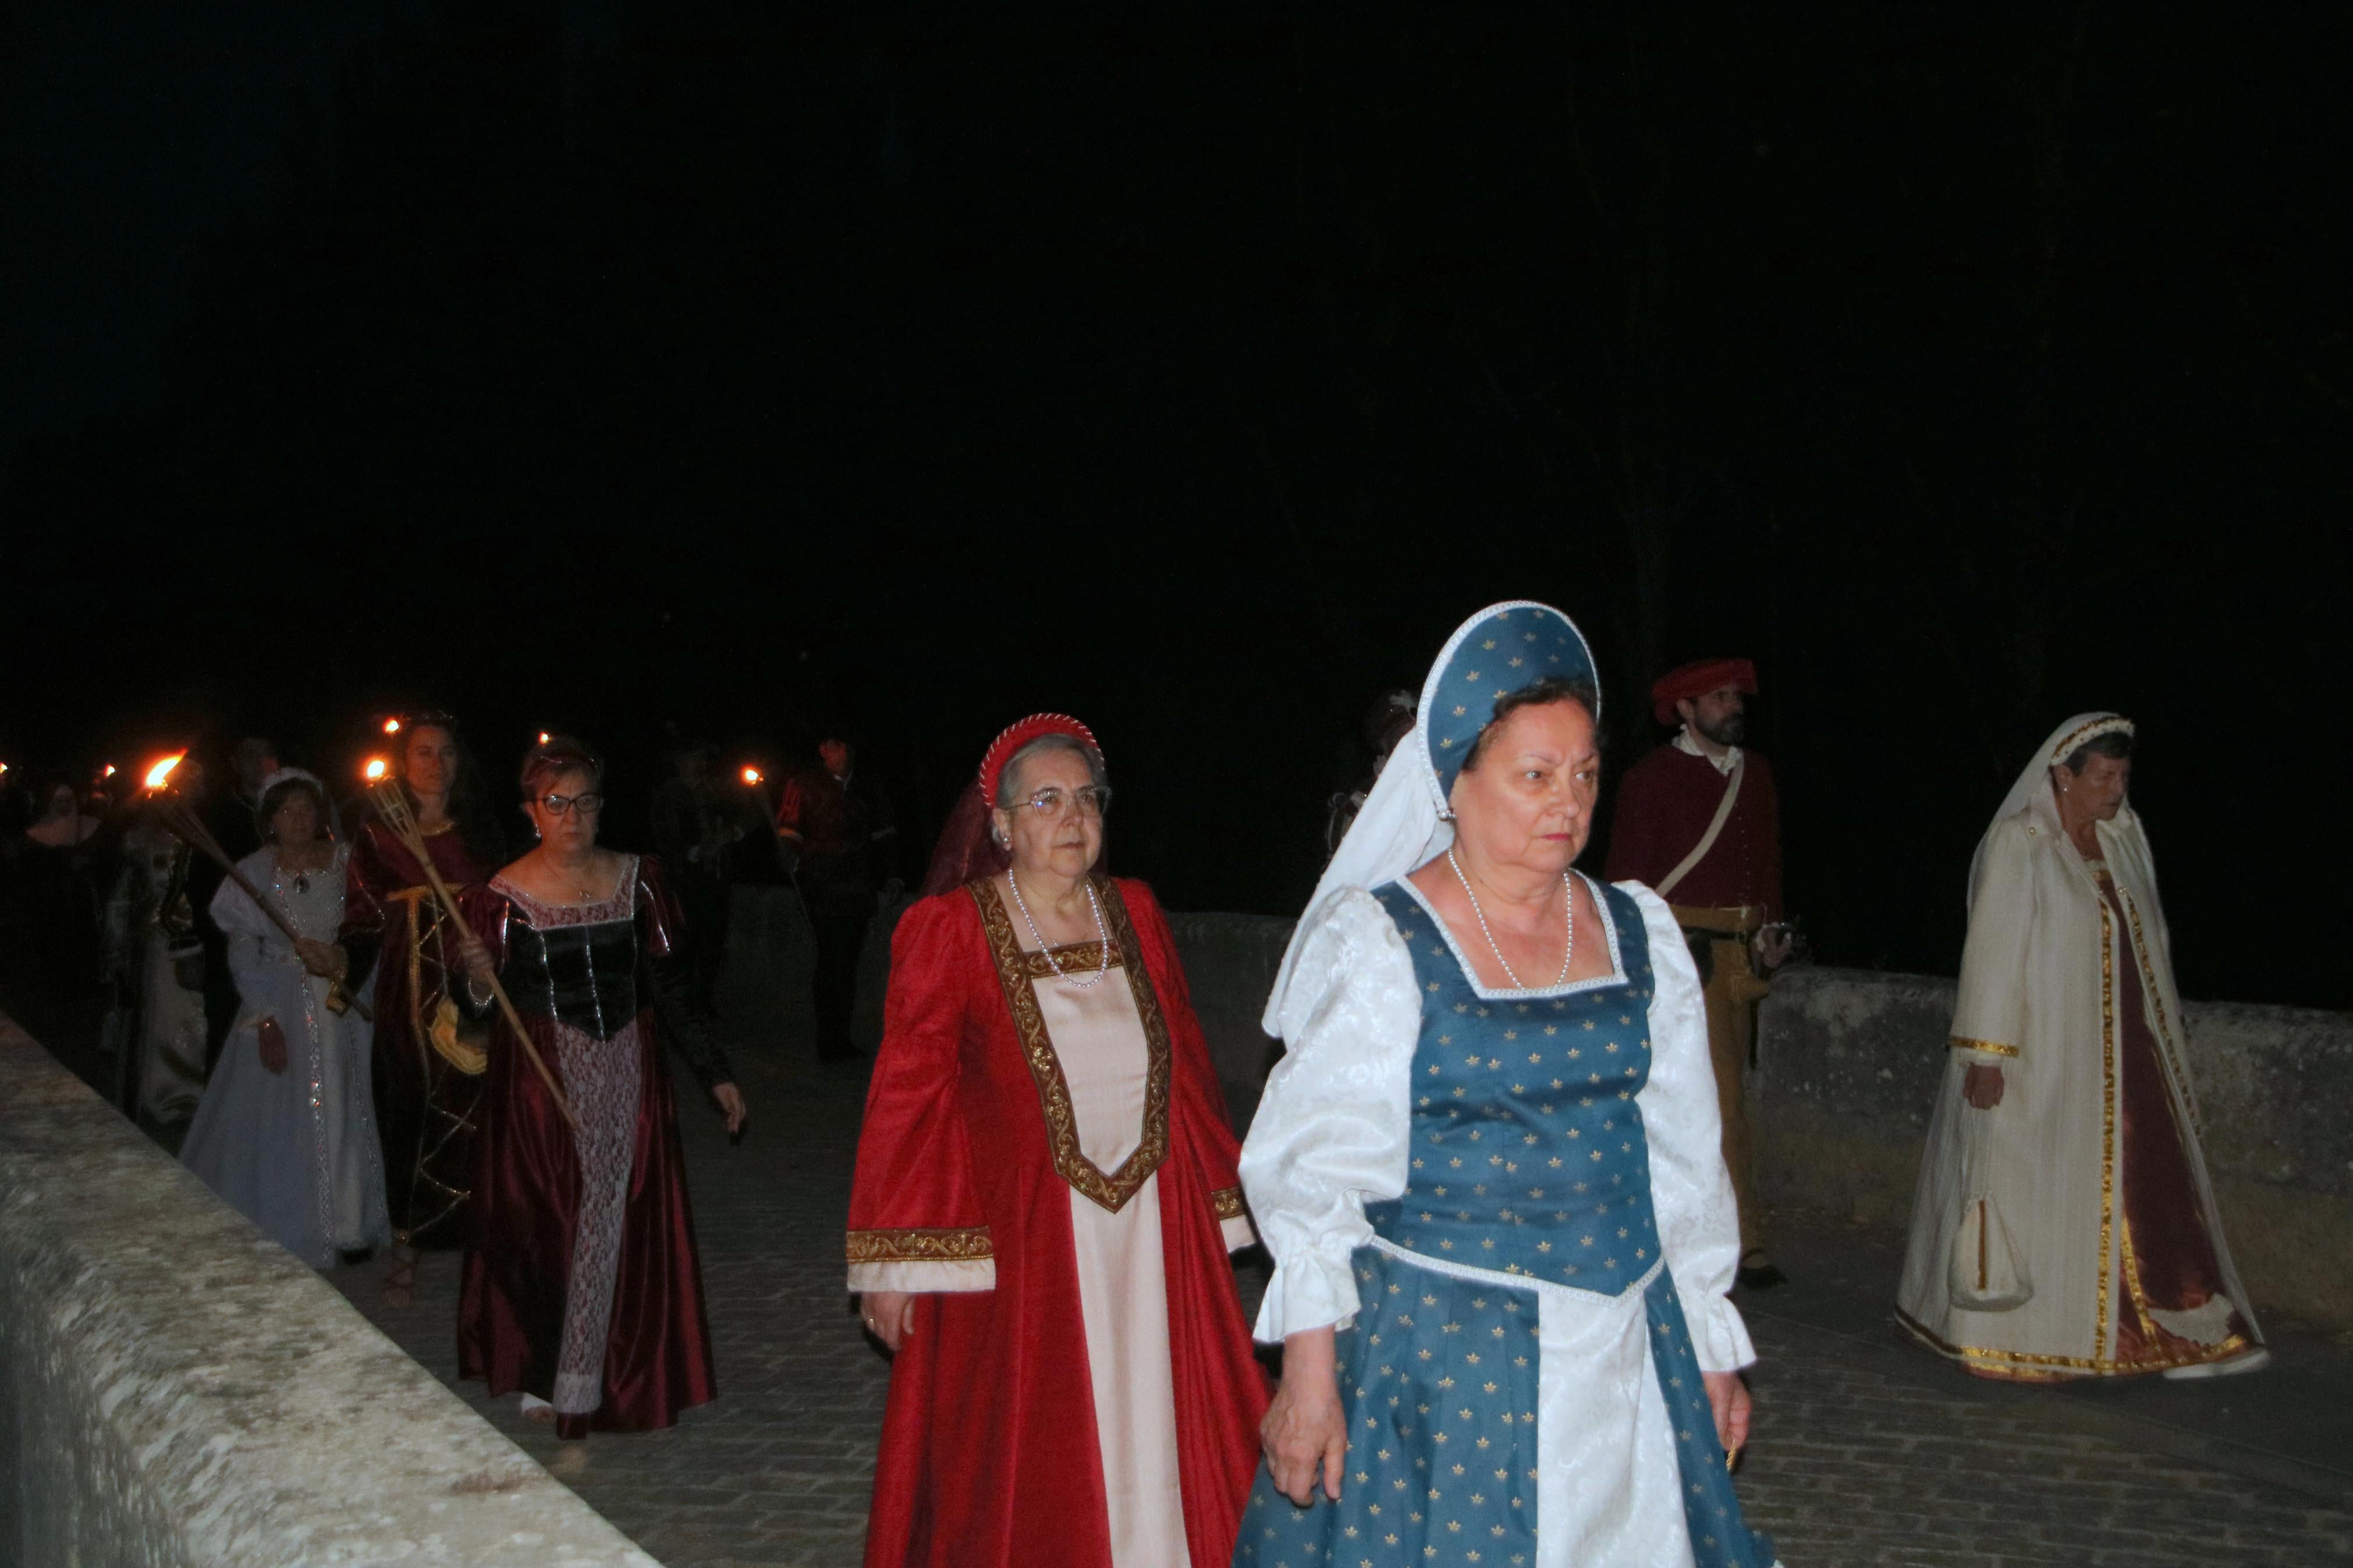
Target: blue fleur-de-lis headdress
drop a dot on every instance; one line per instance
(1406, 819)
(1493, 654)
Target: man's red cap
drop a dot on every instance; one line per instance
(1695, 680)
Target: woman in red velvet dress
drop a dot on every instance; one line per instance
(583, 1290)
(426, 1068)
(1045, 1200)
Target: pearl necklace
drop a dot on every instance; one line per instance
(1103, 936)
(1569, 943)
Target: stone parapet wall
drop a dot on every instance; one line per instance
(176, 1390)
(1850, 1061)
(1230, 966)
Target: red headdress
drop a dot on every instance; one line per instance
(1693, 681)
(965, 850)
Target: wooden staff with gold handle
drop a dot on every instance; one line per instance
(392, 806)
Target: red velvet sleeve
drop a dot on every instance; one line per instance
(1203, 1131)
(659, 918)
(915, 1215)
(686, 1026)
(789, 808)
(1635, 831)
(366, 882)
(486, 911)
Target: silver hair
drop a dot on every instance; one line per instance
(1007, 796)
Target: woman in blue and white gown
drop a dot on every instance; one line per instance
(286, 1132)
(1488, 1168)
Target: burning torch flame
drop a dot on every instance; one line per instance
(109, 773)
(392, 726)
(376, 768)
(542, 737)
(161, 773)
(751, 775)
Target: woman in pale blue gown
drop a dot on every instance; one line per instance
(286, 1132)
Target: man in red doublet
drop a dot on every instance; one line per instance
(1699, 821)
(836, 827)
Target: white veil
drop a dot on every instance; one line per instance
(2032, 790)
(1404, 823)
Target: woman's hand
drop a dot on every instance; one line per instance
(731, 1100)
(273, 1045)
(323, 959)
(1981, 1085)
(1304, 1429)
(477, 960)
(1728, 1397)
(890, 1314)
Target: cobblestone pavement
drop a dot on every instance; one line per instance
(776, 1471)
(1867, 1452)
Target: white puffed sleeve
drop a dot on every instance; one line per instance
(1691, 1192)
(255, 947)
(1332, 1132)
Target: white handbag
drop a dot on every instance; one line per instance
(1987, 1273)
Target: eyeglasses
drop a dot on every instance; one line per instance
(565, 805)
(1092, 802)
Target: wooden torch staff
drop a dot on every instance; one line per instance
(184, 826)
(393, 808)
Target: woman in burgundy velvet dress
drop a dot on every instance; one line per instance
(426, 1069)
(584, 1290)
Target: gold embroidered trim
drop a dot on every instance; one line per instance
(1229, 1202)
(920, 1245)
(1996, 1361)
(2136, 1289)
(2085, 731)
(1078, 958)
(2102, 1328)
(1963, 1042)
(1014, 974)
(2185, 1097)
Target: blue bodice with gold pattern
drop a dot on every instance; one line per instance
(1527, 1152)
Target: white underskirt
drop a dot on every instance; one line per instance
(1124, 1296)
(1098, 1037)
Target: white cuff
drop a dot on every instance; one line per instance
(1307, 1293)
(926, 1274)
(1719, 1339)
(1238, 1232)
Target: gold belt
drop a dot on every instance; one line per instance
(1730, 923)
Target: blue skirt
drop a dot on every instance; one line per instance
(1440, 1381)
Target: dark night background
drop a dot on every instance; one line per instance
(757, 368)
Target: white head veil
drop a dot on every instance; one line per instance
(2032, 790)
(289, 775)
(1406, 822)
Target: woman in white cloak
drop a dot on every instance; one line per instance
(285, 1132)
(1489, 1169)
(2063, 1225)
